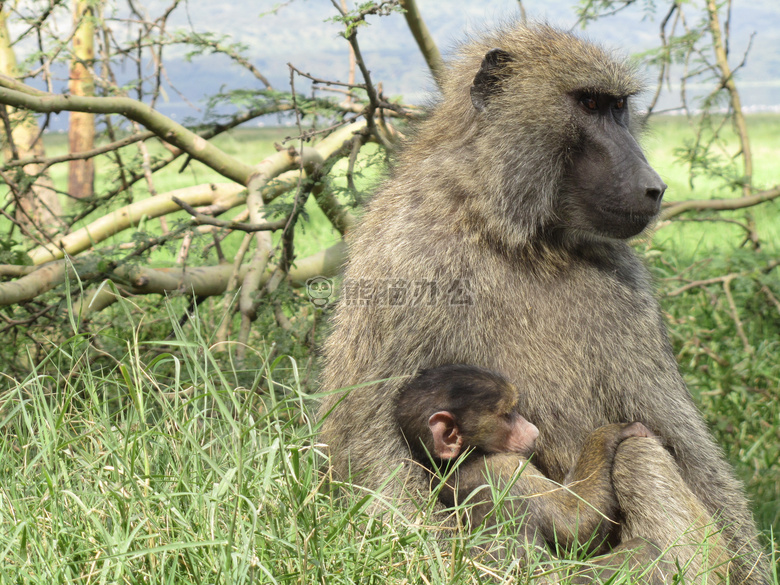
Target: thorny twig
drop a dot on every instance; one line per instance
(203, 219)
(352, 21)
(720, 279)
(734, 314)
(725, 281)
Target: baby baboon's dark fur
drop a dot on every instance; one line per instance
(511, 206)
(479, 414)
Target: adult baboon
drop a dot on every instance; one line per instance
(499, 241)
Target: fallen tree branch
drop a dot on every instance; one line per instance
(263, 243)
(16, 269)
(50, 267)
(207, 133)
(308, 159)
(338, 215)
(131, 215)
(215, 199)
(33, 284)
(137, 279)
(203, 281)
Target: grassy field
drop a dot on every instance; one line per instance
(135, 453)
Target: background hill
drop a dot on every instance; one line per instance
(299, 32)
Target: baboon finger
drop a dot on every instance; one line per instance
(636, 429)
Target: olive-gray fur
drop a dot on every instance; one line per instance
(569, 318)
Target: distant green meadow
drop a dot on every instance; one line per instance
(666, 134)
(663, 136)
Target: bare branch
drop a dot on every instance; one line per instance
(666, 58)
(216, 47)
(202, 219)
(112, 146)
(223, 332)
(326, 81)
(772, 298)
(721, 279)
(9, 132)
(523, 17)
(735, 314)
(677, 208)
(423, 37)
(736, 103)
(162, 126)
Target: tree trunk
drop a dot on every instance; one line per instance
(38, 209)
(727, 80)
(81, 134)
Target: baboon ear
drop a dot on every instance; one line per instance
(488, 78)
(447, 440)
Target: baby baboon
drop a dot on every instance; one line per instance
(458, 410)
(468, 413)
(500, 240)
(444, 411)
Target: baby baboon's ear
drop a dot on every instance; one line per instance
(487, 81)
(447, 440)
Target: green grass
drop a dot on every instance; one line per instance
(165, 469)
(132, 451)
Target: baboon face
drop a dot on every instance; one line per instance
(577, 122)
(509, 433)
(609, 190)
(456, 407)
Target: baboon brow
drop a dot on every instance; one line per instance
(600, 94)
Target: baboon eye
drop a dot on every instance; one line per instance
(620, 103)
(589, 102)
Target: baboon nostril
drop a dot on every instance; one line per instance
(655, 193)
